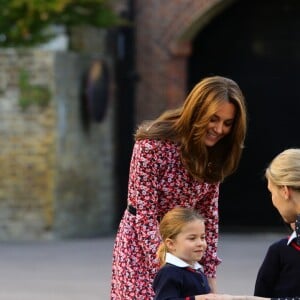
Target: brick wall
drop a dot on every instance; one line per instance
(164, 30)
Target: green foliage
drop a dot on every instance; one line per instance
(32, 94)
(25, 22)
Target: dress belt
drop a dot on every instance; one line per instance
(131, 209)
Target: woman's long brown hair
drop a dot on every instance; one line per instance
(187, 126)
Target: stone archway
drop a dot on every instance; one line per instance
(164, 30)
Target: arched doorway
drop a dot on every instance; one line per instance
(257, 43)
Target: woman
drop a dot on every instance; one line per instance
(283, 176)
(179, 159)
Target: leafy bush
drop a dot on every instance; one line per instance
(26, 22)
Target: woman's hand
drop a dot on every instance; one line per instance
(212, 296)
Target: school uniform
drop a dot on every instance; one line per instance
(177, 280)
(279, 274)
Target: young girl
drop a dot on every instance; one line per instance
(183, 245)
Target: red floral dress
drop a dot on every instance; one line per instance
(158, 182)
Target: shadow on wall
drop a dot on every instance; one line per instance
(94, 94)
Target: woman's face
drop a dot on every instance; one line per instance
(220, 124)
(282, 201)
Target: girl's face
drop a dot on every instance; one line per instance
(282, 201)
(220, 123)
(190, 244)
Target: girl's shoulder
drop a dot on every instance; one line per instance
(282, 242)
(170, 270)
(279, 245)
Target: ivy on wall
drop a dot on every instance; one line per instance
(32, 94)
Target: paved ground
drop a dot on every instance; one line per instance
(80, 269)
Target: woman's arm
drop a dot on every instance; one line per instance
(207, 206)
(212, 284)
(236, 297)
(240, 297)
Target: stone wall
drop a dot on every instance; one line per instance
(56, 177)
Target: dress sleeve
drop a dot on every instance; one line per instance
(143, 192)
(268, 273)
(208, 208)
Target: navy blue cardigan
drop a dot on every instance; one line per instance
(176, 283)
(279, 274)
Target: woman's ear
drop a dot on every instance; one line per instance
(286, 192)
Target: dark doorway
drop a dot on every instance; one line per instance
(126, 78)
(256, 43)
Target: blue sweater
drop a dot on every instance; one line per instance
(176, 283)
(279, 274)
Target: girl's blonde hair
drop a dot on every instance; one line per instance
(171, 225)
(284, 169)
(187, 125)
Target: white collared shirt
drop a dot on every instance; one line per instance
(174, 260)
(292, 237)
